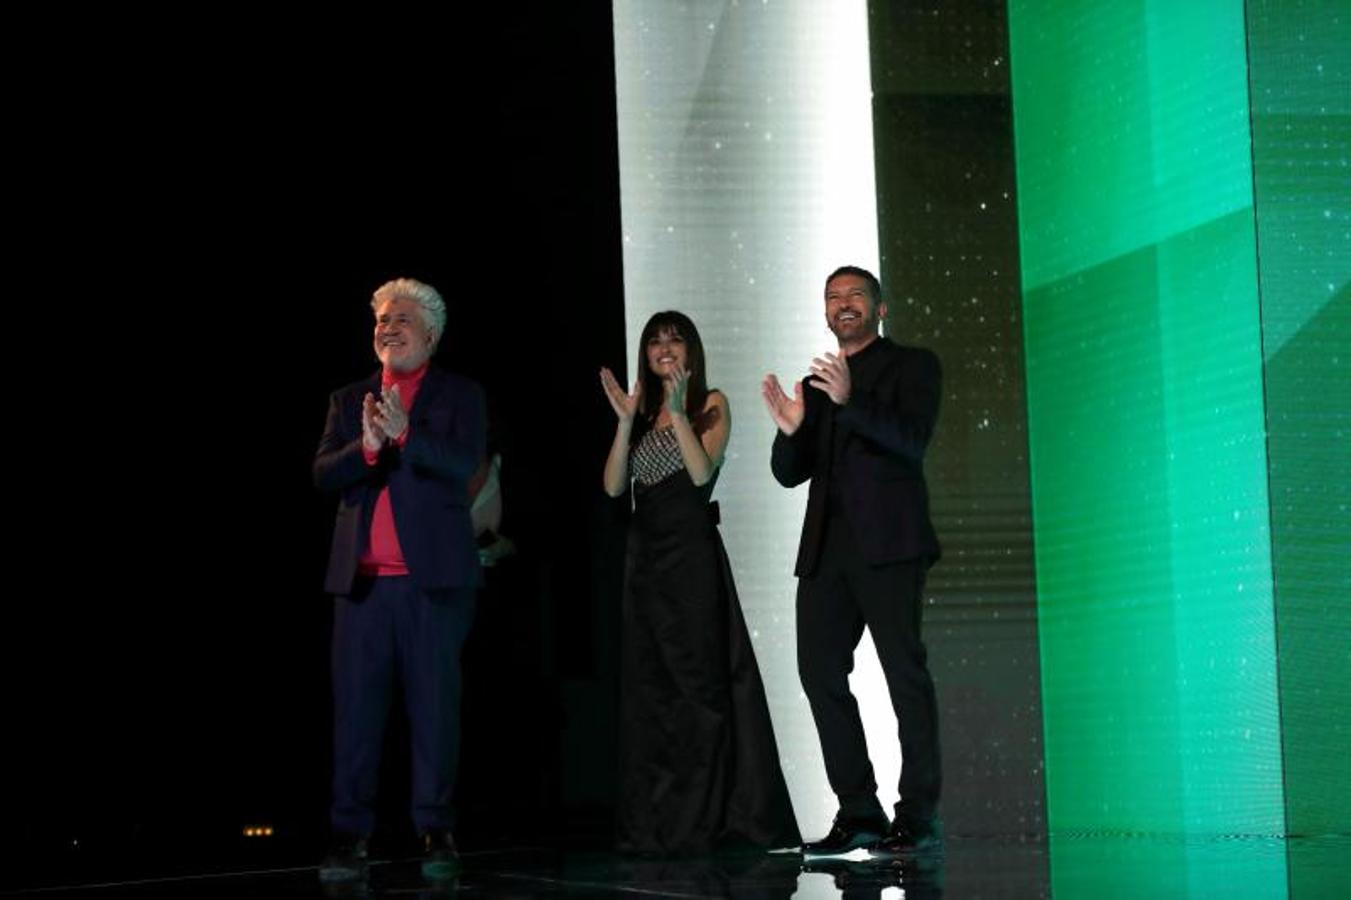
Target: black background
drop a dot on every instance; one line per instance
(205, 217)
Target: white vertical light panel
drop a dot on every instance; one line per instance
(746, 176)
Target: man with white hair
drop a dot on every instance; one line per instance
(399, 449)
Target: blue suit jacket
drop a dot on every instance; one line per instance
(427, 479)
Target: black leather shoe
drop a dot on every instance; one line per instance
(440, 860)
(911, 836)
(846, 835)
(346, 859)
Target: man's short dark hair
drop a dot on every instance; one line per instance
(874, 286)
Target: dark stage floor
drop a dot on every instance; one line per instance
(1083, 867)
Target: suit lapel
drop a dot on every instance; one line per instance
(433, 383)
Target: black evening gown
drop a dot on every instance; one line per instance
(699, 766)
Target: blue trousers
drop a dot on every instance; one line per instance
(389, 629)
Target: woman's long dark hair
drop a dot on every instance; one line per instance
(696, 392)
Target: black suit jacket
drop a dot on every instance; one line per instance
(427, 479)
(886, 426)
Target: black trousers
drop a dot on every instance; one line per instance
(833, 606)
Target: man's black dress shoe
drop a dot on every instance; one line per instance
(440, 859)
(346, 859)
(908, 836)
(846, 835)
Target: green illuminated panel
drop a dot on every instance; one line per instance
(1145, 406)
(1131, 123)
(1301, 87)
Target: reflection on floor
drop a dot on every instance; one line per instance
(1078, 868)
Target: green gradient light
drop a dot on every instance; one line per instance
(1145, 407)
(1301, 87)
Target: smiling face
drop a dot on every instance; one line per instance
(670, 342)
(666, 352)
(403, 342)
(852, 314)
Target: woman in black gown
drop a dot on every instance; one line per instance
(699, 769)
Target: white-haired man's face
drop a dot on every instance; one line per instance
(403, 342)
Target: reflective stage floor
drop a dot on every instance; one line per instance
(1072, 867)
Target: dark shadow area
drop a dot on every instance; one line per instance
(241, 192)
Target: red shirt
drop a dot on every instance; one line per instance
(383, 554)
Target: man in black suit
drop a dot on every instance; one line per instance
(399, 449)
(858, 432)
